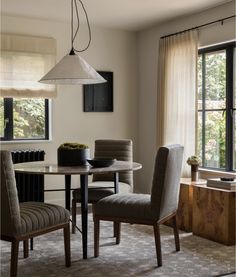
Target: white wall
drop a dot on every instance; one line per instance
(110, 50)
(147, 82)
(135, 91)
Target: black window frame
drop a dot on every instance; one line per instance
(8, 114)
(230, 109)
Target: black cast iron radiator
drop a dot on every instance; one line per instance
(30, 186)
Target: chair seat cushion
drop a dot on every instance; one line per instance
(38, 215)
(98, 190)
(126, 206)
(94, 194)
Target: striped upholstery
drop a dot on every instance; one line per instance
(37, 215)
(10, 210)
(165, 184)
(116, 149)
(99, 190)
(164, 197)
(125, 205)
(19, 219)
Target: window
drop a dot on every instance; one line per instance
(23, 119)
(216, 143)
(24, 101)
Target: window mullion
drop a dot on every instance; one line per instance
(203, 107)
(229, 107)
(46, 119)
(8, 118)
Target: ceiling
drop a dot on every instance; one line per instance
(132, 15)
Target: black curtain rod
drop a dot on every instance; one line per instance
(200, 26)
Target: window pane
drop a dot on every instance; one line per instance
(199, 81)
(215, 138)
(215, 80)
(28, 118)
(1, 117)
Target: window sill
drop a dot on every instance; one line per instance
(210, 173)
(24, 141)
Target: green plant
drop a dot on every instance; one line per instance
(72, 146)
(193, 160)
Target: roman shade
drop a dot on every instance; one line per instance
(24, 59)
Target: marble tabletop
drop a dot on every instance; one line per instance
(46, 168)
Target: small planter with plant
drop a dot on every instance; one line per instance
(194, 162)
(72, 154)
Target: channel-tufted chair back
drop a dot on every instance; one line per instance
(166, 180)
(10, 210)
(117, 149)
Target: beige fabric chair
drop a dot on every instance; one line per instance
(146, 209)
(22, 221)
(103, 184)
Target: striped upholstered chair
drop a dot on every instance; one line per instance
(103, 184)
(22, 221)
(146, 209)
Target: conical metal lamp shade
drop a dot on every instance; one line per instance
(72, 70)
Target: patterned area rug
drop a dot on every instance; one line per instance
(135, 256)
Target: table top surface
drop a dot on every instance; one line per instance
(188, 181)
(46, 168)
(202, 183)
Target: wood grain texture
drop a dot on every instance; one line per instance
(214, 214)
(184, 213)
(185, 207)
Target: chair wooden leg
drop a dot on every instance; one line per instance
(176, 233)
(14, 258)
(117, 231)
(114, 229)
(73, 216)
(157, 236)
(66, 231)
(31, 244)
(26, 248)
(96, 236)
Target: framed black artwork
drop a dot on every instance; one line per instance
(99, 97)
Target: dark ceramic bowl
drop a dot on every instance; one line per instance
(101, 162)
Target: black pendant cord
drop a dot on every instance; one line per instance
(73, 35)
(200, 26)
(78, 20)
(72, 30)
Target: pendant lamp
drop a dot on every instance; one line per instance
(72, 69)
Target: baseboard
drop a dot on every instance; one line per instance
(60, 202)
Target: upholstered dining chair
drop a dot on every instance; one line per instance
(146, 209)
(22, 221)
(103, 184)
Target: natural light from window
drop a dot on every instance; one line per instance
(216, 113)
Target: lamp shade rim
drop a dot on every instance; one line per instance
(72, 81)
(72, 69)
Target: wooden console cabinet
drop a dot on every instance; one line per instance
(206, 211)
(185, 208)
(214, 214)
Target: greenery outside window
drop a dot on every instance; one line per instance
(216, 142)
(24, 119)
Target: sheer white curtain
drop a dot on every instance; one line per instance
(176, 107)
(24, 60)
